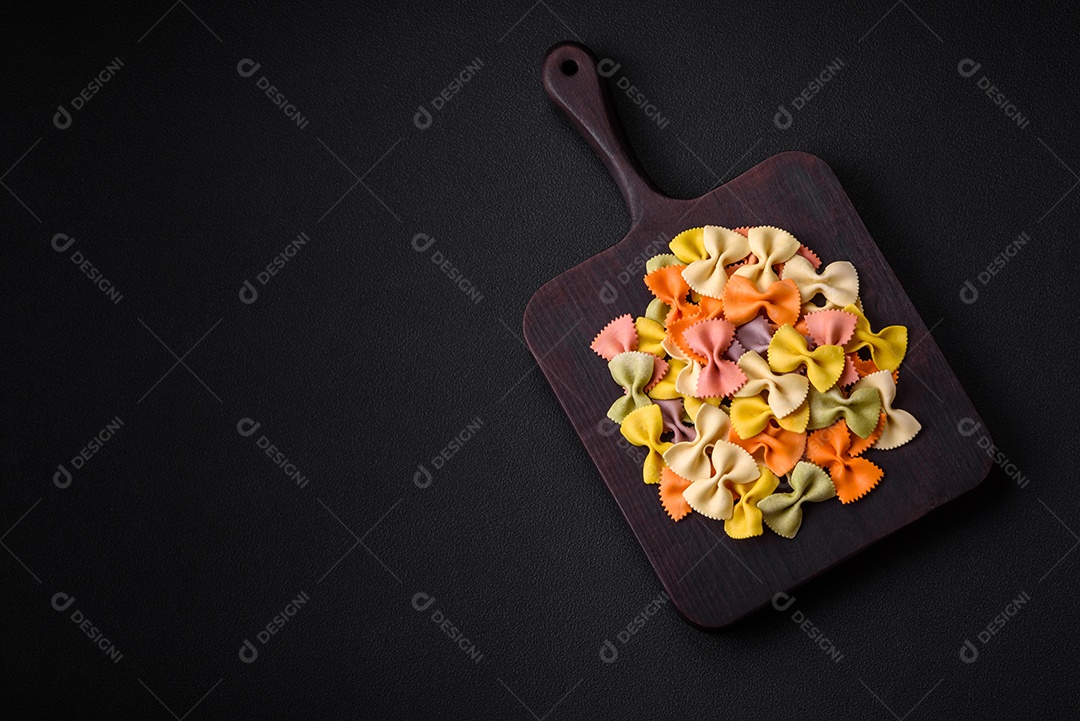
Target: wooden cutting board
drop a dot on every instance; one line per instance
(712, 579)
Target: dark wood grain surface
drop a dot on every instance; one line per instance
(714, 580)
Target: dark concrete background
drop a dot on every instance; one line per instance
(179, 180)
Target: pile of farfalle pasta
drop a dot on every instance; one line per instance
(754, 381)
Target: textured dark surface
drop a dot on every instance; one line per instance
(362, 360)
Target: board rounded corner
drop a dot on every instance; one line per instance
(805, 158)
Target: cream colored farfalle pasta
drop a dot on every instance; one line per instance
(723, 247)
(770, 246)
(711, 497)
(838, 282)
(692, 459)
(900, 426)
(710, 463)
(686, 381)
(786, 391)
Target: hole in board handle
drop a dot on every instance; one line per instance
(568, 67)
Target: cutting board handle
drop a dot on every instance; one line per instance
(573, 83)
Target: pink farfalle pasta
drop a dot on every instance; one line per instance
(719, 376)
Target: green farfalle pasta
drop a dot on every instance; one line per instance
(632, 370)
(782, 512)
(661, 261)
(861, 409)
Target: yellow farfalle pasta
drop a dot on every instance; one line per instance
(689, 245)
(693, 404)
(745, 521)
(788, 351)
(665, 390)
(750, 415)
(643, 427)
(887, 347)
(650, 336)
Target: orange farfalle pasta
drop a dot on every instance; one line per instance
(743, 301)
(754, 362)
(776, 447)
(672, 486)
(853, 476)
(867, 367)
(668, 286)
